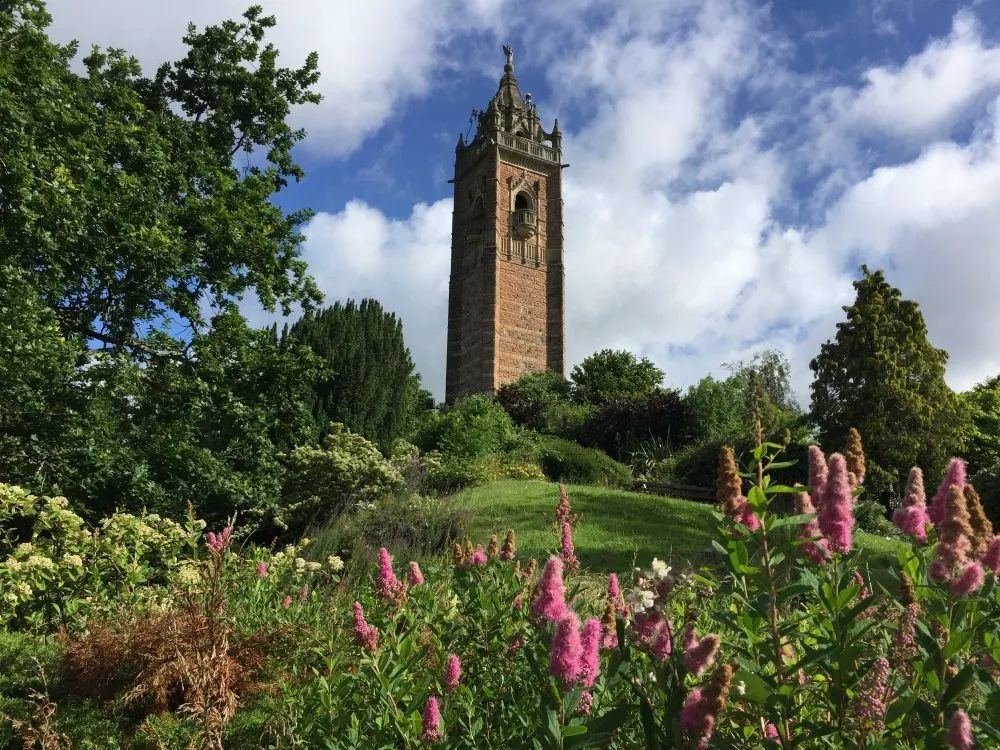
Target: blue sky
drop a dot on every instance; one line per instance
(732, 162)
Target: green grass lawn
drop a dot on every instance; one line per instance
(616, 530)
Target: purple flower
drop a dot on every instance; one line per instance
(414, 575)
(567, 650)
(566, 551)
(960, 732)
(452, 673)
(432, 721)
(955, 475)
(550, 593)
(590, 660)
(836, 515)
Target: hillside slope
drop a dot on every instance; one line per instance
(617, 530)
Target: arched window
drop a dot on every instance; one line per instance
(477, 207)
(522, 200)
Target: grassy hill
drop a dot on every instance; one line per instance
(617, 529)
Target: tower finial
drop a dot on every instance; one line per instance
(509, 67)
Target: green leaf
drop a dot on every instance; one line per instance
(957, 685)
(574, 731)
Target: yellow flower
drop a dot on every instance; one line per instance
(75, 560)
(40, 561)
(335, 563)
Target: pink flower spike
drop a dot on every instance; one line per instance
(479, 556)
(816, 550)
(970, 581)
(365, 635)
(955, 474)
(590, 661)
(960, 732)
(566, 551)
(414, 574)
(305, 592)
(585, 704)
(693, 714)
(663, 642)
(432, 722)
(388, 586)
(519, 602)
(550, 593)
(817, 475)
(702, 656)
(452, 674)
(262, 569)
(836, 515)
(614, 588)
(567, 650)
(912, 521)
(991, 557)
(771, 731)
(286, 602)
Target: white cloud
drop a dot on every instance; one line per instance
(928, 94)
(374, 55)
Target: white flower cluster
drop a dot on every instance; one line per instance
(334, 563)
(651, 588)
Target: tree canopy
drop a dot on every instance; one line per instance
(881, 375)
(136, 213)
(370, 386)
(613, 374)
(982, 436)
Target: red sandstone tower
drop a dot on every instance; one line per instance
(505, 296)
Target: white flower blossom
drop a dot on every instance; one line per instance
(335, 563)
(660, 568)
(75, 560)
(40, 561)
(741, 687)
(641, 599)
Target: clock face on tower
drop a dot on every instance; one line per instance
(505, 294)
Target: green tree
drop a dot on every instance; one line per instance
(767, 389)
(881, 375)
(370, 387)
(982, 434)
(135, 215)
(529, 397)
(612, 374)
(717, 409)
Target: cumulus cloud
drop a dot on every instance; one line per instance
(374, 55)
(683, 236)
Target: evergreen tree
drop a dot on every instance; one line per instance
(982, 436)
(370, 386)
(881, 375)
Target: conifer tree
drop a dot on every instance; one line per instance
(370, 382)
(881, 375)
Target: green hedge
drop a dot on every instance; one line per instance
(568, 462)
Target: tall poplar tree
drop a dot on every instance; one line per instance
(881, 375)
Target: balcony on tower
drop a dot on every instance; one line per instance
(524, 220)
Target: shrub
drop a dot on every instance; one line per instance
(567, 420)
(474, 426)
(869, 515)
(620, 425)
(528, 398)
(321, 481)
(568, 462)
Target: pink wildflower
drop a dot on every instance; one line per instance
(991, 557)
(955, 475)
(563, 511)
(262, 569)
(304, 594)
(904, 644)
(645, 626)
(912, 518)
(771, 732)
(514, 646)
(414, 575)
(816, 550)
(960, 732)
(836, 515)
(478, 557)
(365, 635)
(519, 602)
(566, 551)
(700, 656)
(871, 703)
(452, 673)
(590, 657)
(220, 542)
(693, 716)
(954, 536)
(388, 586)
(432, 722)
(585, 704)
(860, 581)
(970, 581)
(550, 593)
(564, 662)
(817, 475)
(663, 642)
(286, 602)
(747, 517)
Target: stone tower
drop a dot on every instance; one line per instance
(505, 295)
